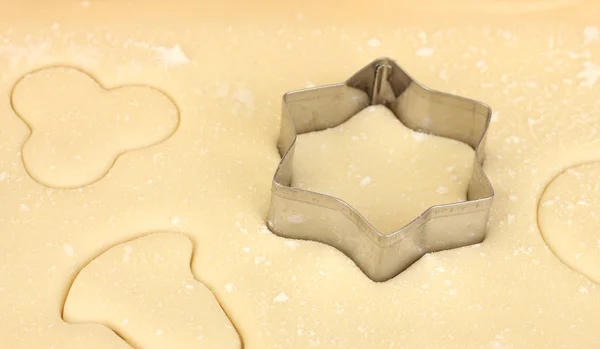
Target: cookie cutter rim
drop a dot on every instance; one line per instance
(300, 214)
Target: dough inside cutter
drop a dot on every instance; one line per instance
(385, 170)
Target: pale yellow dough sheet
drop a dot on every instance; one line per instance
(120, 120)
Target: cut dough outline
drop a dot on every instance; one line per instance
(133, 238)
(106, 89)
(537, 214)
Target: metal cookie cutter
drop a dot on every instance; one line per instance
(300, 214)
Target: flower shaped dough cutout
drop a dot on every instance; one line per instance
(79, 128)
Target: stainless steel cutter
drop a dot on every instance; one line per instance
(300, 214)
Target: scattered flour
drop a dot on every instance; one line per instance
(590, 74)
(591, 34)
(425, 51)
(373, 42)
(281, 298)
(171, 57)
(366, 181)
(69, 250)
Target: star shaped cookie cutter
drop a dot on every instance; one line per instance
(301, 214)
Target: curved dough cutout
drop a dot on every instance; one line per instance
(388, 172)
(569, 218)
(144, 290)
(79, 128)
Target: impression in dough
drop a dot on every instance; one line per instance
(385, 170)
(144, 290)
(569, 218)
(79, 128)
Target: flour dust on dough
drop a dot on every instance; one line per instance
(388, 172)
(79, 128)
(212, 178)
(144, 290)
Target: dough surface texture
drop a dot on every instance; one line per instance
(198, 154)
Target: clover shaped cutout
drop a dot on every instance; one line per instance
(79, 127)
(302, 214)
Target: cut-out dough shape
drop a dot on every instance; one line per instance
(358, 160)
(144, 290)
(569, 218)
(79, 128)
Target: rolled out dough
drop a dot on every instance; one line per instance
(224, 72)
